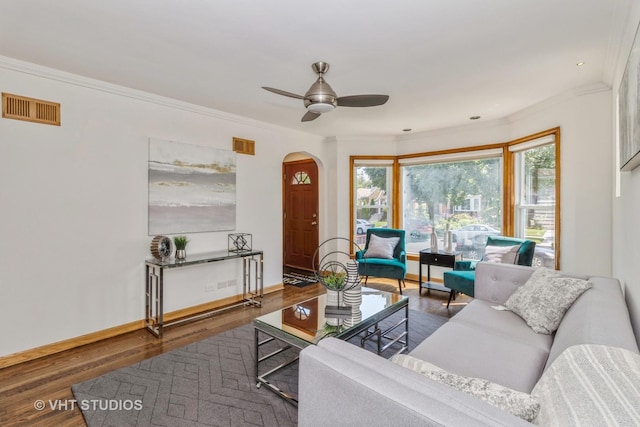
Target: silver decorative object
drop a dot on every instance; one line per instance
(337, 272)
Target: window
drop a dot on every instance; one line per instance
(372, 196)
(461, 191)
(510, 189)
(535, 196)
(300, 178)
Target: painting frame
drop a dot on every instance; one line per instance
(629, 110)
(191, 188)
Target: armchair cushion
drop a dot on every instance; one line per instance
(460, 281)
(501, 254)
(384, 254)
(526, 247)
(381, 247)
(465, 265)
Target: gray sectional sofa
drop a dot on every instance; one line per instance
(342, 384)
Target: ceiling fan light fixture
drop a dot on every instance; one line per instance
(321, 107)
(321, 98)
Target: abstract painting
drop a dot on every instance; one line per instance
(629, 111)
(192, 188)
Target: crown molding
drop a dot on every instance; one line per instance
(453, 130)
(617, 50)
(554, 100)
(24, 67)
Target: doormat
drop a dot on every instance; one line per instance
(297, 279)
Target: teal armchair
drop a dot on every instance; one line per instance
(462, 278)
(382, 257)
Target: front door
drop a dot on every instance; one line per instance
(300, 214)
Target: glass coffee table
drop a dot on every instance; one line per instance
(306, 323)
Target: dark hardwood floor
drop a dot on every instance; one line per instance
(50, 378)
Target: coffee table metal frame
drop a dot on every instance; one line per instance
(368, 326)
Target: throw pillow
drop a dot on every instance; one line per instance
(515, 402)
(501, 254)
(590, 385)
(544, 299)
(414, 363)
(381, 247)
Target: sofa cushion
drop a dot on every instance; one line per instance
(520, 404)
(591, 385)
(544, 299)
(343, 384)
(485, 315)
(381, 247)
(469, 350)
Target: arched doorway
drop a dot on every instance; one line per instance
(300, 212)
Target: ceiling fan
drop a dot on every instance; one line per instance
(320, 98)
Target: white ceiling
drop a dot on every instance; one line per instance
(440, 61)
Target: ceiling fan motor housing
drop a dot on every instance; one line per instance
(320, 98)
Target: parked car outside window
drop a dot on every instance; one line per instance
(362, 225)
(473, 236)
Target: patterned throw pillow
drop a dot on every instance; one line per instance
(501, 254)
(544, 299)
(381, 247)
(515, 402)
(590, 385)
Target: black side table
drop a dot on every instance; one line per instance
(440, 259)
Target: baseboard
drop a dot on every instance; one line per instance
(57, 347)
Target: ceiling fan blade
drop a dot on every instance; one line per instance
(283, 92)
(362, 100)
(310, 115)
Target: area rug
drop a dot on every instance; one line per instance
(207, 383)
(297, 279)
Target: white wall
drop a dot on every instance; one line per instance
(586, 165)
(73, 203)
(74, 198)
(626, 199)
(585, 122)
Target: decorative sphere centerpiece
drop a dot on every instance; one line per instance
(338, 273)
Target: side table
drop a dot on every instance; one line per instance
(440, 259)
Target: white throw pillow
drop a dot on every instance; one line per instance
(590, 385)
(381, 247)
(544, 299)
(414, 363)
(501, 254)
(515, 402)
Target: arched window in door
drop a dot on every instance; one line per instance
(300, 178)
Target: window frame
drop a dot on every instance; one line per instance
(511, 149)
(508, 180)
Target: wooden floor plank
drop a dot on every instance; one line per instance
(51, 377)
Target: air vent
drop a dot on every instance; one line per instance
(29, 109)
(244, 146)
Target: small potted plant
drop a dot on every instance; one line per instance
(181, 245)
(335, 281)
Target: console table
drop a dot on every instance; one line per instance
(441, 259)
(252, 284)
